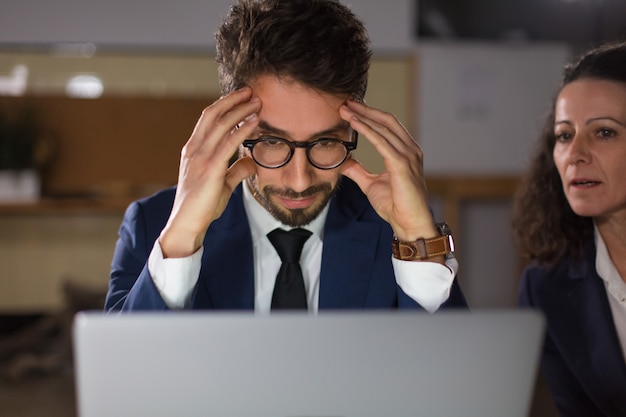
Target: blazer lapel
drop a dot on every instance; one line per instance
(349, 252)
(589, 303)
(228, 278)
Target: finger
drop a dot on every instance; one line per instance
(385, 141)
(396, 154)
(358, 173)
(227, 144)
(212, 115)
(381, 121)
(238, 171)
(229, 132)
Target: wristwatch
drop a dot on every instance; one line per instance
(425, 248)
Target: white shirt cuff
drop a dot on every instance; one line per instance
(428, 283)
(175, 278)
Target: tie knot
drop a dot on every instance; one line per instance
(289, 244)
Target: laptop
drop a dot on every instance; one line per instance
(353, 364)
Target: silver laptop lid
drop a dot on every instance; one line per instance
(336, 364)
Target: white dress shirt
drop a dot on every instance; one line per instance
(615, 288)
(175, 278)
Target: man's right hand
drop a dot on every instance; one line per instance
(205, 181)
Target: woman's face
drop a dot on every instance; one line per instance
(590, 148)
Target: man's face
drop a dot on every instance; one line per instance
(297, 192)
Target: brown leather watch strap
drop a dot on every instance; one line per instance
(422, 248)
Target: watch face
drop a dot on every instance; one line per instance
(444, 229)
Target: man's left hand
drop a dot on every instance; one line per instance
(399, 193)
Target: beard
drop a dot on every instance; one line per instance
(292, 217)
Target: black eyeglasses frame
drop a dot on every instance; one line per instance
(349, 145)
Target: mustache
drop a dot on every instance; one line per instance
(289, 193)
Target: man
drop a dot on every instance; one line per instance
(293, 75)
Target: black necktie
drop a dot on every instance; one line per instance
(289, 291)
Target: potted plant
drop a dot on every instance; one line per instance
(23, 152)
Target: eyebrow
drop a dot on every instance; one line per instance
(595, 119)
(589, 121)
(339, 127)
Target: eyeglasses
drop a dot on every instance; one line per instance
(324, 153)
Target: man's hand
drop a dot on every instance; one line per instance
(399, 194)
(205, 182)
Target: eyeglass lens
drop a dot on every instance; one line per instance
(327, 153)
(271, 153)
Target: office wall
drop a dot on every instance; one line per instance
(159, 24)
(480, 107)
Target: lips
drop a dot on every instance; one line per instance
(584, 183)
(299, 203)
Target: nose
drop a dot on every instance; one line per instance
(298, 173)
(578, 151)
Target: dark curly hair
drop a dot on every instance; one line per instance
(319, 43)
(546, 228)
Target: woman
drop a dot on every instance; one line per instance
(570, 221)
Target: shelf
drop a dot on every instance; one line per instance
(452, 189)
(74, 206)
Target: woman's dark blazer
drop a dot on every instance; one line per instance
(582, 360)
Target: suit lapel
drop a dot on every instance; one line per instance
(349, 252)
(589, 303)
(228, 277)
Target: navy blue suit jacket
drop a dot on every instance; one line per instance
(582, 360)
(356, 270)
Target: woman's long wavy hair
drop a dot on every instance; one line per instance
(545, 226)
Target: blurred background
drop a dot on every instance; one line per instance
(97, 98)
